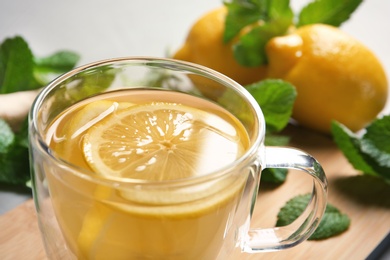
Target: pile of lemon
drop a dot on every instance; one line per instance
(336, 76)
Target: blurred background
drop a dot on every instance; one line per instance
(101, 29)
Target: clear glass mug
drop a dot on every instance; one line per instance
(78, 221)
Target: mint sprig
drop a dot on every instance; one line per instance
(276, 99)
(16, 66)
(46, 68)
(275, 17)
(265, 19)
(369, 153)
(332, 12)
(20, 70)
(332, 223)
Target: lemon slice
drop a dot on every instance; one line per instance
(92, 113)
(97, 216)
(153, 141)
(70, 134)
(161, 141)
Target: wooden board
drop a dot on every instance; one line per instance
(364, 199)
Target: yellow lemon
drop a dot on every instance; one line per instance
(336, 76)
(204, 45)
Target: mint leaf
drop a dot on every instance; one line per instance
(250, 50)
(349, 144)
(21, 137)
(274, 175)
(91, 83)
(49, 67)
(361, 152)
(264, 19)
(240, 14)
(19, 71)
(14, 166)
(7, 137)
(14, 161)
(332, 12)
(276, 140)
(61, 61)
(16, 66)
(276, 99)
(376, 141)
(333, 222)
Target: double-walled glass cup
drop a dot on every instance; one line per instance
(84, 216)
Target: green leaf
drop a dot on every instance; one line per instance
(266, 19)
(49, 67)
(21, 137)
(14, 166)
(280, 15)
(363, 157)
(14, 161)
(349, 144)
(7, 137)
(376, 141)
(274, 175)
(332, 12)
(88, 84)
(16, 66)
(250, 50)
(333, 222)
(276, 99)
(61, 61)
(91, 83)
(240, 14)
(276, 140)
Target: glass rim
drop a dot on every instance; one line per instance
(36, 137)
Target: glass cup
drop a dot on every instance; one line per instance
(204, 217)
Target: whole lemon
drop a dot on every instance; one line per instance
(204, 45)
(336, 76)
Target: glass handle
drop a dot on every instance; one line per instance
(287, 236)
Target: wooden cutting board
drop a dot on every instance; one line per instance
(366, 200)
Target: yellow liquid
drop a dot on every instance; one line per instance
(125, 221)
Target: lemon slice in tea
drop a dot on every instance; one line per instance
(73, 125)
(92, 113)
(162, 141)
